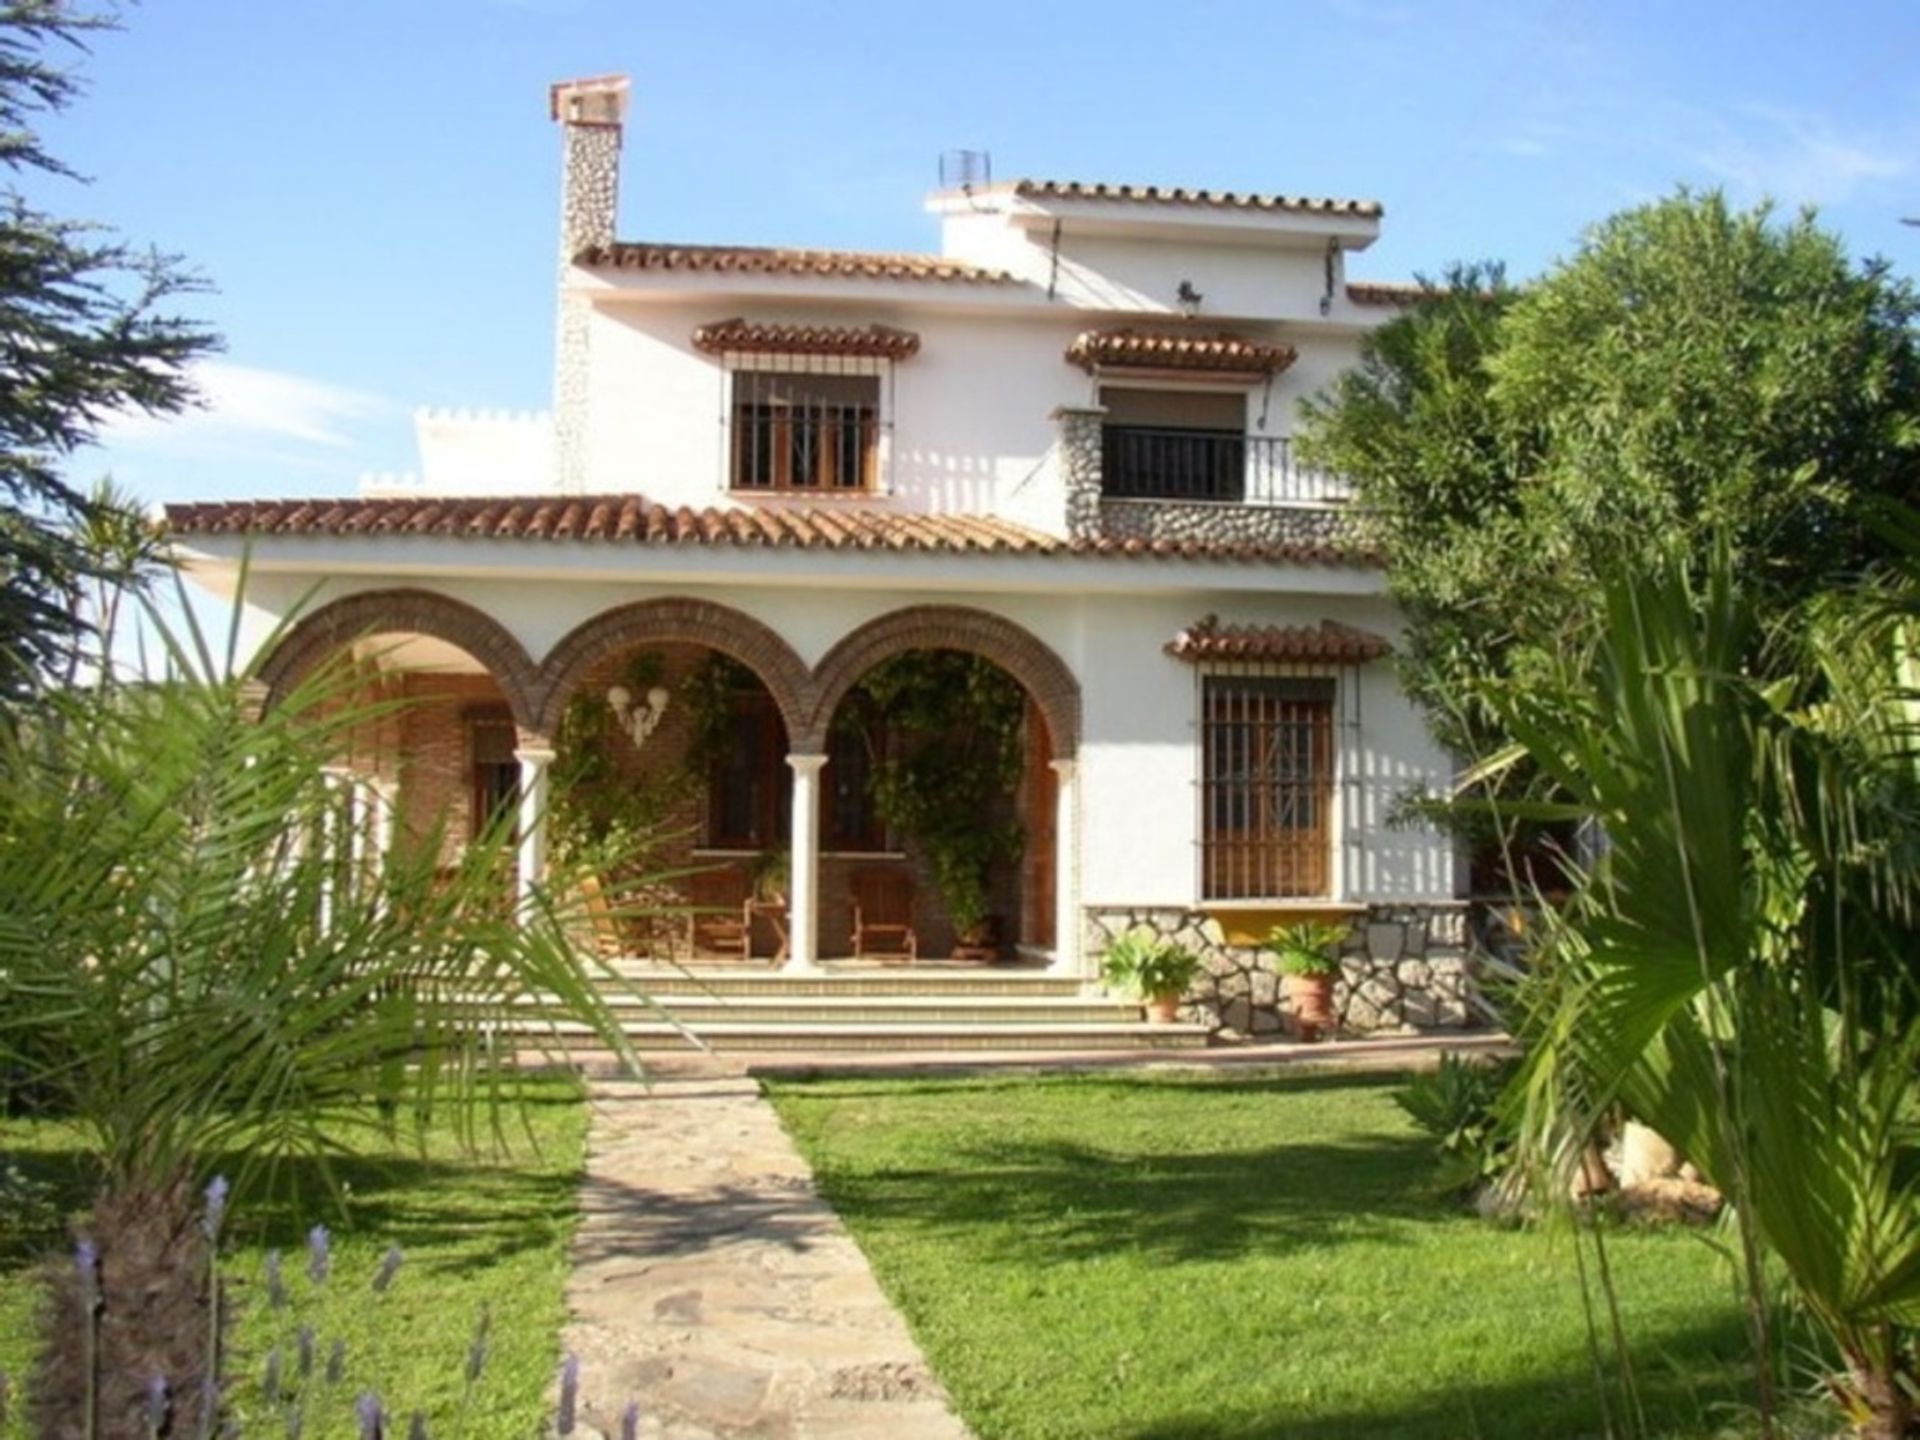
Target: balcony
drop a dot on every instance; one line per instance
(1211, 467)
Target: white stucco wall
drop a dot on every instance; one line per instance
(967, 418)
(1139, 803)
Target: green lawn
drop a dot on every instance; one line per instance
(1167, 1258)
(489, 1232)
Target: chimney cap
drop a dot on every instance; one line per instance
(594, 100)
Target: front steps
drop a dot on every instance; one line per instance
(840, 1008)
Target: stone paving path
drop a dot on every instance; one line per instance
(713, 1285)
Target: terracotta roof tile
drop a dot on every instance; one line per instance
(633, 519)
(1094, 348)
(766, 260)
(737, 336)
(1182, 195)
(1208, 639)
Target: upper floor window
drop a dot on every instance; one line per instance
(805, 432)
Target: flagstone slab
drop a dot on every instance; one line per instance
(713, 1285)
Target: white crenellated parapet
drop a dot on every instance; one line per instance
(475, 452)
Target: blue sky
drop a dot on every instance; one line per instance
(371, 187)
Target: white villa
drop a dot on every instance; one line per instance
(1061, 444)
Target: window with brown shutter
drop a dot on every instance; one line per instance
(493, 773)
(805, 432)
(1266, 787)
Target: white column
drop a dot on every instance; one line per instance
(532, 817)
(803, 885)
(334, 780)
(384, 798)
(1066, 869)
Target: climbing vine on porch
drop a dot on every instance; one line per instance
(596, 798)
(944, 729)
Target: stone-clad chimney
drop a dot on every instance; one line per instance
(591, 114)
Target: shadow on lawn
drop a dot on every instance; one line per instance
(490, 1206)
(1177, 1195)
(1691, 1383)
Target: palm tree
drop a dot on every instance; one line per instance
(199, 958)
(1738, 967)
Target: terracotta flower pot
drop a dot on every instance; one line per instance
(1310, 998)
(1163, 1009)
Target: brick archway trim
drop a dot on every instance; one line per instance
(1042, 673)
(335, 626)
(676, 620)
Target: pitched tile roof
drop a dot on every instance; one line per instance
(1181, 195)
(632, 519)
(1208, 639)
(744, 337)
(1093, 348)
(769, 260)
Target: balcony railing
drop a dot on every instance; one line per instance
(1215, 466)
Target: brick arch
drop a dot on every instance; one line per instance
(676, 620)
(1042, 673)
(336, 625)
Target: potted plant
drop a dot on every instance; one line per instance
(1308, 957)
(1155, 971)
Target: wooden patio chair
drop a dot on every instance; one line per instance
(604, 925)
(721, 922)
(883, 926)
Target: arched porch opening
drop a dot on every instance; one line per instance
(444, 692)
(938, 808)
(671, 763)
(949, 736)
(673, 721)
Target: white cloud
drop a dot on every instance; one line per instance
(246, 408)
(1795, 158)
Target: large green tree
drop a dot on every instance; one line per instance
(1691, 370)
(88, 329)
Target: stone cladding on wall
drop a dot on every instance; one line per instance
(1080, 459)
(589, 192)
(1406, 968)
(1223, 523)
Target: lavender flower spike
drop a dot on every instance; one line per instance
(216, 1216)
(373, 1420)
(303, 1351)
(86, 1260)
(389, 1267)
(319, 1254)
(569, 1395)
(270, 1384)
(417, 1427)
(337, 1362)
(276, 1282)
(630, 1421)
(159, 1405)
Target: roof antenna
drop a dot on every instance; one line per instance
(965, 170)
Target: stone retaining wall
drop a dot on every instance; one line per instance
(1407, 967)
